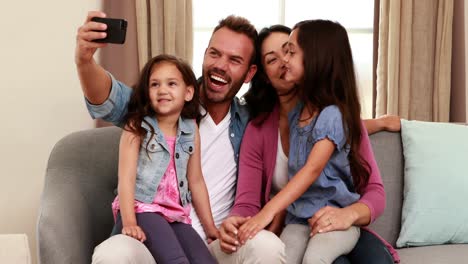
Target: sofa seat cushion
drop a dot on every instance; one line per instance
(434, 254)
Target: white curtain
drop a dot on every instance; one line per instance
(164, 26)
(414, 59)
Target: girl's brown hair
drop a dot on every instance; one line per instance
(329, 79)
(140, 103)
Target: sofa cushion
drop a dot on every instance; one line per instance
(435, 184)
(434, 254)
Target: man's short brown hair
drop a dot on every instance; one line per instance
(240, 25)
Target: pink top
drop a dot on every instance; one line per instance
(257, 164)
(167, 198)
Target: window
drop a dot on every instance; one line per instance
(356, 16)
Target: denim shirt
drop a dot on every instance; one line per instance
(154, 158)
(115, 107)
(334, 186)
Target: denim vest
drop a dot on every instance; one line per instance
(154, 159)
(113, 110)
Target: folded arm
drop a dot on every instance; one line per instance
(369, 207)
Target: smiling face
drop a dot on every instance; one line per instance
(274, 48)
(294, 60)
(226, 65)
(167, 90)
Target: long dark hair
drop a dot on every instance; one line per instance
(329, 79)
(140, 103)
(261, 97)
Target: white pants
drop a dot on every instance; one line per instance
(321, 248)
(265, 247)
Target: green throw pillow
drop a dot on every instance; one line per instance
(435, 205)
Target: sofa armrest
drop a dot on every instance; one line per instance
(75, 209)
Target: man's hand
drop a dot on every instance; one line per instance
(390, 122)
(228, 233)
(85, 47)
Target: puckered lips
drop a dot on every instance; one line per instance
(217, 82)
(283, 73)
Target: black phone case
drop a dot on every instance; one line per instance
(116, 30)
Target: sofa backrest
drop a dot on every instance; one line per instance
(82, 175)
(75, 211)
(388, 152)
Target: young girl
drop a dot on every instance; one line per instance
(159, 165)
(325, 168)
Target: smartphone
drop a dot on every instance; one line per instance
(116, 30)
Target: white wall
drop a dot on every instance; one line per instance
(41, 100)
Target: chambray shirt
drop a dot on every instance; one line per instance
(115, 107)
(334, 186)
(154, 158)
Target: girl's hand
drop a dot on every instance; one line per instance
(212, 234)
(134, 231)
(276, 226)
(331, 219)
(250, 228)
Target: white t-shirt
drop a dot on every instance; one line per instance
(280, 174)
(219, 169)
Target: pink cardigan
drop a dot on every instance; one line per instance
(257, 163)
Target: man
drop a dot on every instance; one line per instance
(227, 64)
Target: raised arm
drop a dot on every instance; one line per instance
(106, 97)
(95, 82)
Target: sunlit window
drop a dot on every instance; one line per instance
(356, 16)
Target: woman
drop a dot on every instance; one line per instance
(263, 160)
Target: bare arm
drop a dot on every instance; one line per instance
(197, 185)
(277, 224)
(128, 160)
(95, 82)
(298, 184)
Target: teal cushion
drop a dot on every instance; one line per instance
(435, 205)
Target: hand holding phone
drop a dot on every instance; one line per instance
(115, 32)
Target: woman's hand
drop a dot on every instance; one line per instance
(250, 228)
(331, 219)
(134, 231)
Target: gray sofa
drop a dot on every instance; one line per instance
(81, 176)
